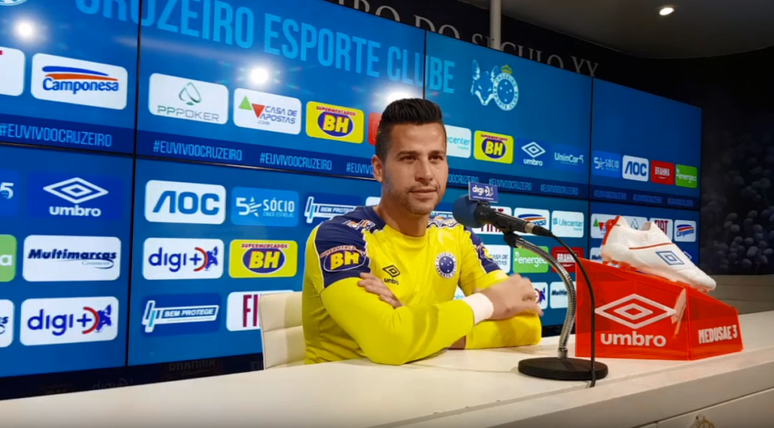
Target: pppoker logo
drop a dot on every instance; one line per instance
(336, 123)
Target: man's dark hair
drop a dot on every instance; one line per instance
(408, 111)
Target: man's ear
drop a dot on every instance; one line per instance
(378, 168)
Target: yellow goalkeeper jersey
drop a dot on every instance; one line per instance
(341, 320)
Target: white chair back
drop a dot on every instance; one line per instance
(281, 329)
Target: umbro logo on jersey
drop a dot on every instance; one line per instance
(393, 272)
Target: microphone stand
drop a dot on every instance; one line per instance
(560, 367)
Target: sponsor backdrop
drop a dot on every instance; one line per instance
(64, 260)
(278, 86)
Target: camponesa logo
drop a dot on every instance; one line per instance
(634, 168)
(599, 225)
(178, 202)
(177, 314)
(12, 63)
(635, 312)
(541, 218)
(6, 323)
(167, 258)
(263, 259)
(187, 99)
(492, 147)
(685, 231)
(606, 164)
(68, 80)
(68, 320)
(264, 207)
(267, 112)
(459, 141)
(320, 207)
(336, 123)
(568, 224)
(242, 309)
(665, 225)
(662, 172)
(71, 258)
(88, 197)
(565, 258)
(488, 229)
(687, 176)
(533, 152)
(569, 158)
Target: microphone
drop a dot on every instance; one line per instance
(474, 214)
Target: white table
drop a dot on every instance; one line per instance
(456, 389)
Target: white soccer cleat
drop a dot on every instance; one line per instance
(650, 251)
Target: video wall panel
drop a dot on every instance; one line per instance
(64, 264)
(247, 123)
(511, 122)
(62, 85)
(646, 149)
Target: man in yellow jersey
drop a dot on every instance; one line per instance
(380, 281)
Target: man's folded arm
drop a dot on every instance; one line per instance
(397, 336)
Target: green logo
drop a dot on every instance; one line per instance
(687, 176)
(525, 261)
(7, 258)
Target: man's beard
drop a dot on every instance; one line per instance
(404, 199)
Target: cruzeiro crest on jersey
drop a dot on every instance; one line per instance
(498, 85)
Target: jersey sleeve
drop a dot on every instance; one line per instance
(478, 269)
(521, 330)
(335, 258)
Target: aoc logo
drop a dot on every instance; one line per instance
(342, 258)
(334, 123)
(446, 265)
(263, 259)
(68, 80)
(493, 147)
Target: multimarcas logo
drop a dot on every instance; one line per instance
(635, 312)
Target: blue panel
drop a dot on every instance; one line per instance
(69, 74)
(290, 85)
(265, 209)
(681, 226)
(67, 243)
(644, 148)
(512, 122)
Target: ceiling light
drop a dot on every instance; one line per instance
(667, 10)
(25, 29)
(259, 75)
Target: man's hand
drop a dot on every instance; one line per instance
(374, 285)
(511, 297)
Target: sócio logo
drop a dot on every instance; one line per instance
(263, 259)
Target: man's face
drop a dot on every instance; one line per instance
(415, 172)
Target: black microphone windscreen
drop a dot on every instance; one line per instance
(464, 212)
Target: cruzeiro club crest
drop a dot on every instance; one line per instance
(498, 85)
(11, 2)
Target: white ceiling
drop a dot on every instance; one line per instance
(697, 28)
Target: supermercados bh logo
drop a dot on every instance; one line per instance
(183, 258)
(75, 196)
(493, 147)
(568, 224)
(540, 218)
(531, 152)
(69, 320)
(176, 314)
(685, 231)
(68, 80)
(497, 85)
(264, 207)
(569, 158)
(336, 123)
(187, 99)
(321, 207)
(263, 259)
(71, 258)
(267, 112)
(342, 258)
(635, 312)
